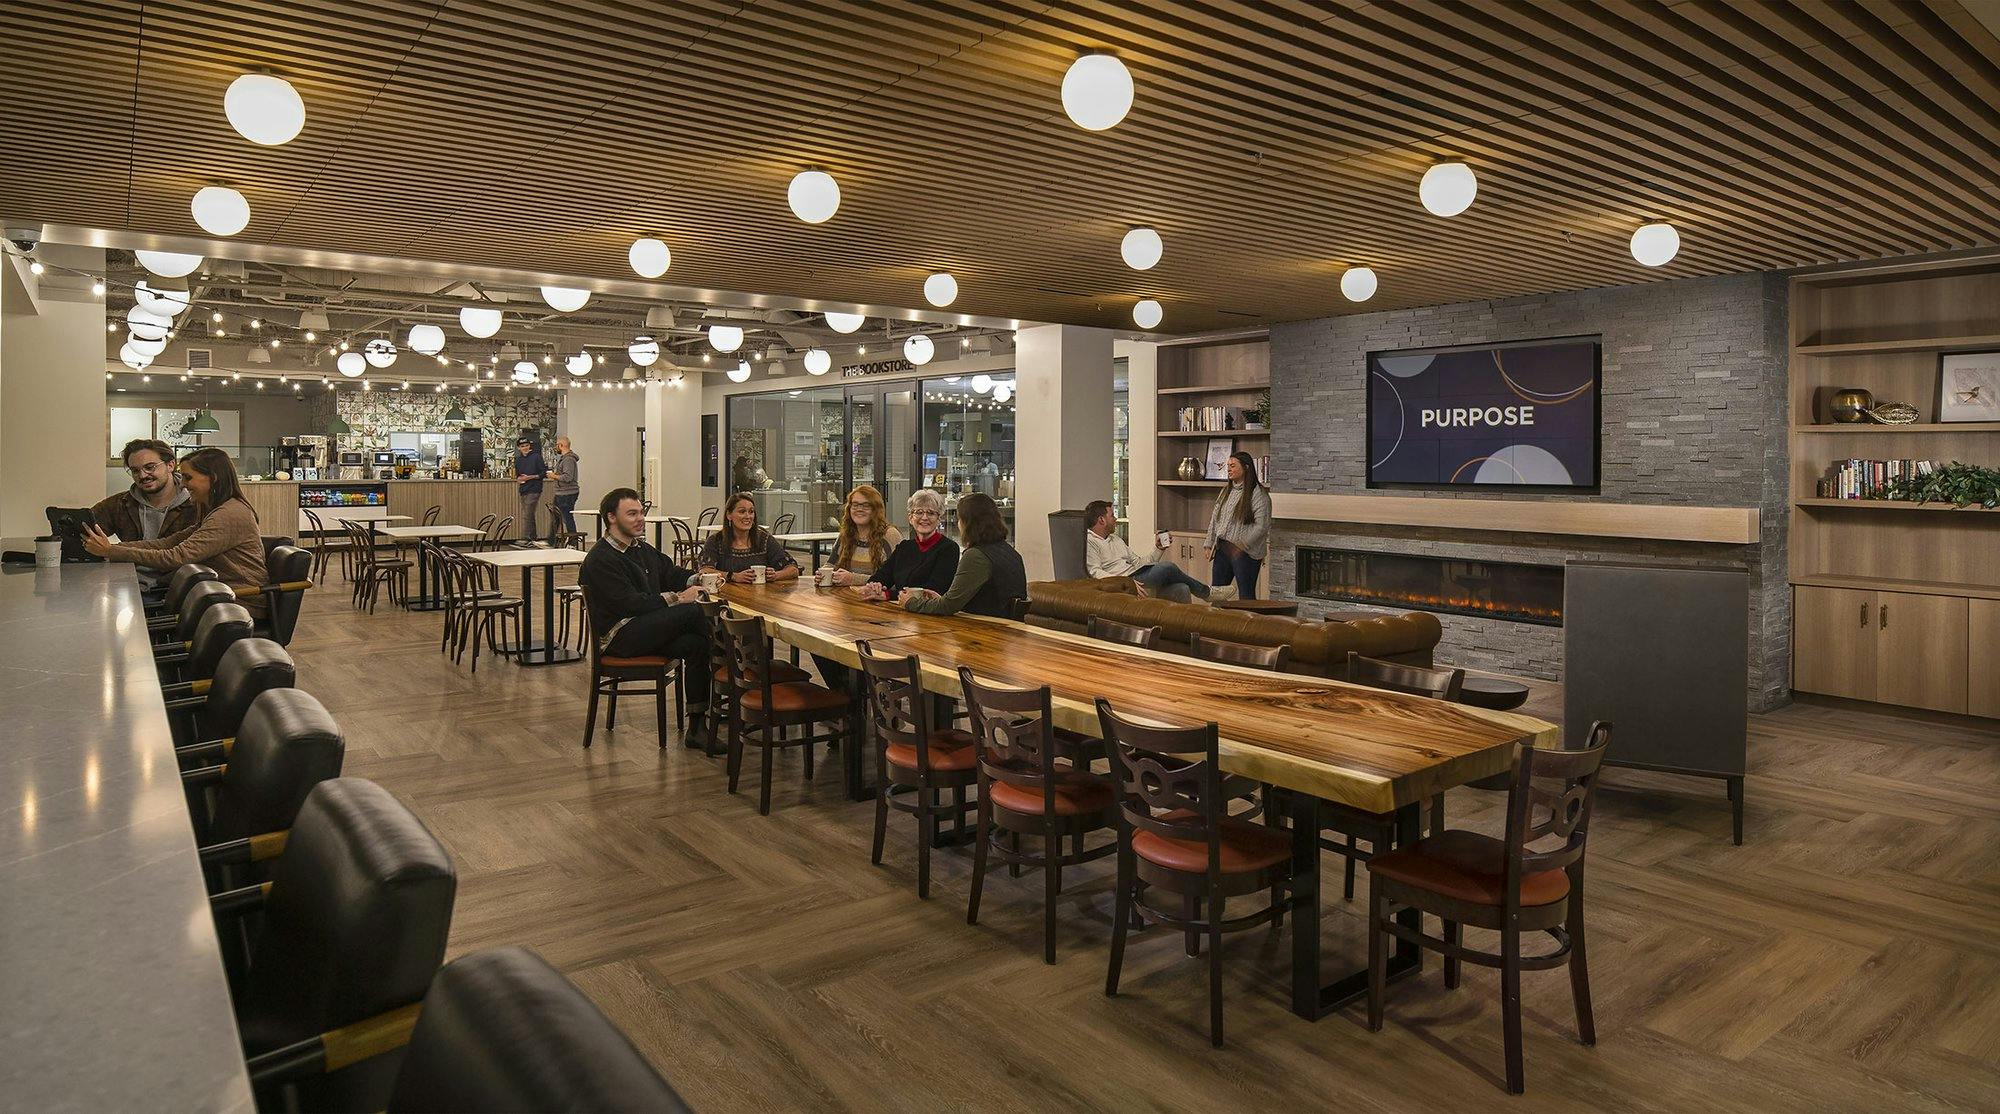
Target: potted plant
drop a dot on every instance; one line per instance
(1259, 416)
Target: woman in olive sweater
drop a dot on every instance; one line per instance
(990, 574)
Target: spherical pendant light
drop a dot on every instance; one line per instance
(643, 351)
(740, 373)
(982, 384)
(147, 325)
(135, 360)
(1358, 283)
(379, 353)
(817, 361)
(814, 196)
(264, 109)
(844, 322)
(524, 371)
(1002, 392)
(219, 210)
(478, 321)
(649, 257)
(565, 299)
(165, 303)
(1448, 188)
(579, 364)
(941, 289)
(427, 340)
(1656, 244)
(351, 364)
(725, 338)
(1147, 314)
(1097, 92)
(1141, 249)
(149, 348)
(919, 350)
(168, 264)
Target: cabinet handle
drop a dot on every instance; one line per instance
(1864, 614)
(1885, 616)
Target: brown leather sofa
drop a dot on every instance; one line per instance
(1317, 647)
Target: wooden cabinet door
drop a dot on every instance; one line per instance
(1920, 651)
(1982, 658)
(1833, 642)
(1186, 552)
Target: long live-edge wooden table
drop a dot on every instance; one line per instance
(1325, 740)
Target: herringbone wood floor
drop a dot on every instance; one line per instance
(1846, 958)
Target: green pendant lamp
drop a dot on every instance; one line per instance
(203, 422)
(455, 415)
(338, 428)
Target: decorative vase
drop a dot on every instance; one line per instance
(1190, 468)
(1850, 404)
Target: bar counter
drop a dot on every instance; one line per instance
(465, 502)
(112, 983)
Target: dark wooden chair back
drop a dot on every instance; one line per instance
(1111, 630)
(1168, 780)
(1239, 653)
(1016, 734)
(1017, 609)
(783, 525)
(709, 516)
(748, 652)
(686, 549)
(502, 528)
(1548, 808)
(485, 527)
(431, 515)
(1439, 684)
(590, 632)
(898, 707)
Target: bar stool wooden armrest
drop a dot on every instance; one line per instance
(254, 849)
(335, 1049)
(231, 904)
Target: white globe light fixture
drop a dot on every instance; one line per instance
(1097, 92)
(844, 322)
(741, 372)
(524, 371)
(426, 340)
(565, 299)
(168, 264)
(165, 303)
(941, 289)
(643, 351)
(982, 384)
(1147, 314)
(814, 196)
(147, 348)
(147, 325)
(817, 361)
(579, 364)
(649, 257)
(1448, 188)
(379, 353)
(351, 364)
(919, 350)
(478, 321)
(264, 109)
(1141, 249)
(219, 210)
(1656, 244)
(1358, 284)
(1002, 392)
(137, 361)
(725, 338)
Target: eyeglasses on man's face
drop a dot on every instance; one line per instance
(155, 468)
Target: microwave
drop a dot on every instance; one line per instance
(353, 459)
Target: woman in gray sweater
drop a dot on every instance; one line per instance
(1239, 529)
(562, 507)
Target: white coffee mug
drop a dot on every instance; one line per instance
(711, 581)
(758, 573)
(825, 577)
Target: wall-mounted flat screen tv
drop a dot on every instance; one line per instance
(1522, 415)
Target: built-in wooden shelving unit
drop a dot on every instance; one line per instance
(1228, 373)
(1893, 601)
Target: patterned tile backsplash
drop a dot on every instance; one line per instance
(376, 414)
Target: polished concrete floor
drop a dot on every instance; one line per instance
(1846, 958)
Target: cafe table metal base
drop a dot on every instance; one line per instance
(1312, 996)
(530, 650)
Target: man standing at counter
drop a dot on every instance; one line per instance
(156, 504)
(528, 471)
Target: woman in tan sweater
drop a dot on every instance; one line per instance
(225, 539)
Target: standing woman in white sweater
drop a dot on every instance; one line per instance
(1239, 529)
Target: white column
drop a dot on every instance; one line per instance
(673, 445)
(1062, 430)
(52, 408)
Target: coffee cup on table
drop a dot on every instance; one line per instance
(758, 573)
(824, 576)
(711, 582)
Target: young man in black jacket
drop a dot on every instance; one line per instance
(644, 604)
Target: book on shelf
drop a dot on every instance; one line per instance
(1205, 419)
(1856, 478)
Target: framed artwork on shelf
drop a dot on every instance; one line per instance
(1969, 387)
(1219, 450)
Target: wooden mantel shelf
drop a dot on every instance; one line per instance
(1728, 525)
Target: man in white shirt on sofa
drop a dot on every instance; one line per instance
(1107, 555)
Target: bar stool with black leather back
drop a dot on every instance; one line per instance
(914, 759)
(288, 575)
(244, 809)
(177, 626)
(168, 599)
(1031, 785)
(725, 685)
(503, 1030)
(767, 709)
(1175, 835)
(222, 626)
(354, 924)
(1125, 634)
(207, 711)
(1017, 609)
(1506, 885)
(610, 676)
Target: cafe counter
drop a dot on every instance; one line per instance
(281, 504)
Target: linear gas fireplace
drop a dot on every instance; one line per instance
(1493, 589)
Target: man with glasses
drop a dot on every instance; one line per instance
(154, 507)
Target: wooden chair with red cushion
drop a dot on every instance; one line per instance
(915, 760)
(767, 709)
(720, 719)
(1530, 880)
(610, 676)
(1031, 785)
(1175, 835)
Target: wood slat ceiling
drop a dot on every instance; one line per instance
(1273, 143)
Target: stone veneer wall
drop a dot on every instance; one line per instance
(1694, 415)
(376, 414)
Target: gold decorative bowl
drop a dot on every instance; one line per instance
(1850, 404)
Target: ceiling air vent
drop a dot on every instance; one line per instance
(200, 359)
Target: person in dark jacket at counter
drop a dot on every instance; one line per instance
(155, 506)
(642, 604)
(529, 468)
(990, 572)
